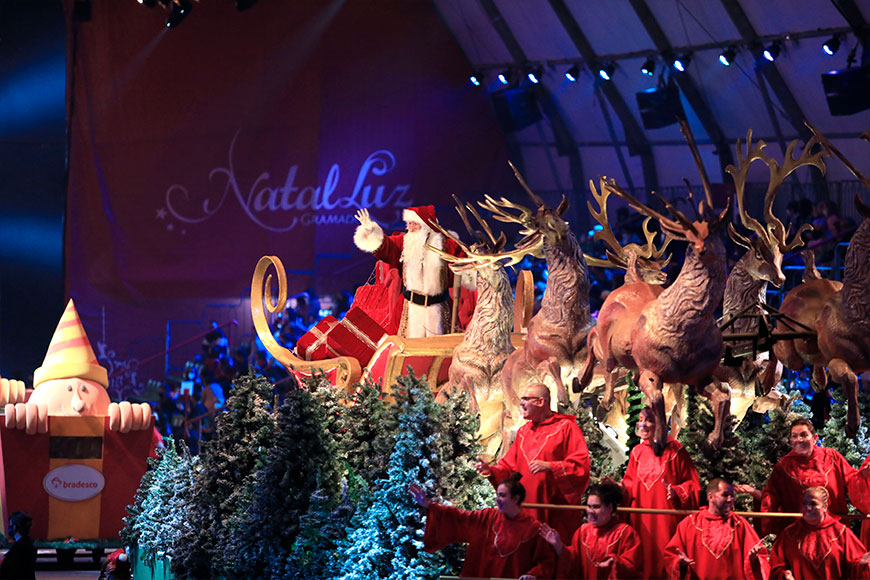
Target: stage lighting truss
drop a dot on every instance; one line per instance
(573, 73)
(832, 45)
(726, 57)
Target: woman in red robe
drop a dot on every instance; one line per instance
(818, 546)
(669, 481)
(602, 549)
(806, 465)
(503, 542)
(859, 493)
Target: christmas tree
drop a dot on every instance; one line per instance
(599, 453)
(223, 487)
(729, 461)
(386, 541)
(635, 404)
(158, 517)
(368, 426)
(833, 435)
(301, 461)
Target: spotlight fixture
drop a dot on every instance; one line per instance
(649, 67)
(832, 45)
(771, 52)
(178, 11)
(536, 74)
(727, 56)
(606, 72)
(573, 73)
(475, 79)
(681, 63)
(504, 77)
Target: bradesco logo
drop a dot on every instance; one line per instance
(73, 482)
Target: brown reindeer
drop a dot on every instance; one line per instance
(478, 360)
(557, 333)
(746, 288)
(842, 315)
(610, 341)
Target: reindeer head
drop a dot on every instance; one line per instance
(641, 263)
(485, 255)
(698, 233)
(545, 224)
(767, 249)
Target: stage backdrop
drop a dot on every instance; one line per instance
(196, 150)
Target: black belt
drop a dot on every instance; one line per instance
(424, 299)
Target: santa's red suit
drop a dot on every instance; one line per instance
(426, 279)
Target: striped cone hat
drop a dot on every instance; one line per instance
(70, 354)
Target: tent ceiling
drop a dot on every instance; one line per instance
(601, 120)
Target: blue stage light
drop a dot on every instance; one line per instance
(572, 73)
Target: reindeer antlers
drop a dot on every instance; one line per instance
(775, 231)
(617, 255)
(486, 252)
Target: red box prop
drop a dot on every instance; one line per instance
(76, 480)
(314, 345)
(356, 335)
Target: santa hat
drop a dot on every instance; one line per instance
(423, 215)
(70, 354)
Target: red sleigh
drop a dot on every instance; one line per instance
(392, 356)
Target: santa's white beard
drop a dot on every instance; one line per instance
(422, 272)
(421, 269)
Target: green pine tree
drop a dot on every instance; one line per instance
(599, 453)
(223, 487)
(635, 403)
(729, 461)
(366, 432)
(833, 434)
(302, 460)
(386, 540)
(166, 494)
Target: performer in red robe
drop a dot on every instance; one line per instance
(818, 546)
(426, 279)
(602, 549)
(716, 543)
(502, 543)
(669, 481)
(550, 453)
(805, 466)
(859, 493)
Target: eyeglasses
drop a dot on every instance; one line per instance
(527, 399)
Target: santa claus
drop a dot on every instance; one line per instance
(425, 277)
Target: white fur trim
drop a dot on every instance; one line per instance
(409, 216)
(468, 279)
(423, 276)
(424, 321)
(368, 239)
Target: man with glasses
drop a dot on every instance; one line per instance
(550, 453)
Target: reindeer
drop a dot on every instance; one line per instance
(675, 338)
(557, 333)
(746, 288)
(840, 314)
(610, 340)
(478, 360)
